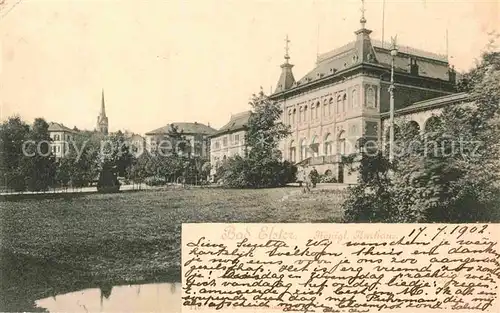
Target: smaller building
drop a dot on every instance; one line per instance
(229, 140)
(196, 134)
(61, 138)
(136, 142)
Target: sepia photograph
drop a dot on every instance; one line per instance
(138, 136)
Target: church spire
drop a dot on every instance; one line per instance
(286, 79)
(102, 119)
(103, 108)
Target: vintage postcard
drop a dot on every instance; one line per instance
(258, 156)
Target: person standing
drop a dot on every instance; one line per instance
(314, 177)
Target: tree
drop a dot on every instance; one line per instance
(372, 199)
(261, 166)
(13, 134)
(453, 176)
(38, 163)
(81, 164)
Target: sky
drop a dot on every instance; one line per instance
(162, 61)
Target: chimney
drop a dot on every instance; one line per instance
(452, 74)
(413, 66)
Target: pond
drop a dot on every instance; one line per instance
(159, 297)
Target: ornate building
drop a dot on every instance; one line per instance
(102, 119)
(346, 97)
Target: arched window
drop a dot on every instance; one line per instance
(317, 110)
(342, 143)
(292, 151)
(339, 103)
(303, 149)
(290, 117)
(432, 124)
(293, 115)
(314, 146)
(328, 145)
(312, 111)
(330, 107)
(411, 129)
(354, 98)
(300, 114)
(344, 102)
(325, 108)
(305, 113)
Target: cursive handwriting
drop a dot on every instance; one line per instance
(282, 268)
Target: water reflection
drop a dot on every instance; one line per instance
(164, 297)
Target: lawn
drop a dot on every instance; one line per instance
(55, 246)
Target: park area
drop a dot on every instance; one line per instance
(72, 242)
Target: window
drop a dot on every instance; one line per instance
(339, 103)
(341, 143)
(370, 97)
(224, 141)
(217, 145)
(57, 138)
(300, 114)
(328, 145)
(344, 103)
(293, 116)
(58, 149)
(292, 151)
(312, 112)
(303, 149)
(305, 113)
(325, 108)
(330, 106)
(354, 98)
(317, 110)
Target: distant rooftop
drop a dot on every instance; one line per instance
(186, 128)
(237, 122)
(58, 127)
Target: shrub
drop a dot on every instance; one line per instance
(327, 179)
(108, 181)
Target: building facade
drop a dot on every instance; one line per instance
(343, 98)
(196, 134)
(61, 137)
(229, 140)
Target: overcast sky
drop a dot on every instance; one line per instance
(168, 61)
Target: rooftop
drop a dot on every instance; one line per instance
(237, 122)
(59, 127)
(186, 128)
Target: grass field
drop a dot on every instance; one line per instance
(54, 246)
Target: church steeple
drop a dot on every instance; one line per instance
(286, 79)
(102, 119)
(103, 107)
(364, 48)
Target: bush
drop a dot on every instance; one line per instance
(108, 181)
(327, 179)
(155, 181)
(238, 172)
